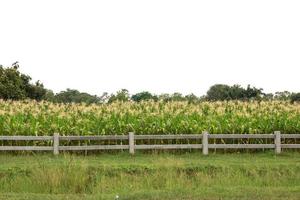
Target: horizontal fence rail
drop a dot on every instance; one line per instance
(104, 137)
(241, 136)
(26, 138)
(131, 139)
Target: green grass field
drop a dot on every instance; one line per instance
(150, 176)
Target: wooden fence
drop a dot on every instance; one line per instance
(131, 139)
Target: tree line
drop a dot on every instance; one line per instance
(17, 86)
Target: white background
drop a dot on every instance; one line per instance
(155, 45)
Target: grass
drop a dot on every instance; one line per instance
(150, 176)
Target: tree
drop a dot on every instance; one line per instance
(36, 91)
(218, 92)
(191, 98)
(177, 97)
(268, 96)
(164, 97)
(15, 85)
(49, 96)
(143, 96)
(253, 93)
(74, 96)
(104, 97)
(122, 95)
(236, 92)
(295, 97)
(283, 96)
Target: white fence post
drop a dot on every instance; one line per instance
(205, 143)
(277, 141)
(131, 142)
(55, 143)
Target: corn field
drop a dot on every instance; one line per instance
(45, 118)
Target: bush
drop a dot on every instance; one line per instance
(295, 97)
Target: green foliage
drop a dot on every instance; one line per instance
(144, 96)
(295, 97)
(252, 93)
(282, 96)
(191, 98)
(36, 91)
(151, 177)
(122, 95)
(220, 92)
(177, 97)
(148, 117)
(15, 85)
(171, 97)
(49, 96)
(74, 96)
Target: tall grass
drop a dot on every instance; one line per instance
(163, 176)
(44, 118)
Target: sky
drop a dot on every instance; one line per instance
(161, 46)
